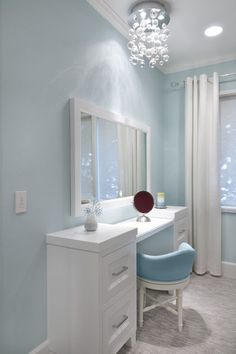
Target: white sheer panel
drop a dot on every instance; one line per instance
(141, 161)
(107, 160)
(228, 150)
(202, 171)
(127, 143)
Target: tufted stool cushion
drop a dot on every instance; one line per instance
(168, 267)
(170, 272)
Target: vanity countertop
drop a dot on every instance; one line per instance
(101, 240)
(170, 212)
(147, 229)
(108, 235)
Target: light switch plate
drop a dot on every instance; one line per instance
(20, 202)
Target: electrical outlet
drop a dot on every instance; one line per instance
(20, 202)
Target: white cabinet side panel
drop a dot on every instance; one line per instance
(73, 301)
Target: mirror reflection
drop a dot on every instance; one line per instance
(113, 159)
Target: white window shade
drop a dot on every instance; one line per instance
(228, 150)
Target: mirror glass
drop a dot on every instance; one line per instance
(113, 159)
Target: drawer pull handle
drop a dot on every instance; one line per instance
(124, 268)
(125, 317)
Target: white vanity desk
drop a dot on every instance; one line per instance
(147, 229)
(92, 282)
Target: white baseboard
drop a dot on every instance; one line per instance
(229, 270)
(43, 348)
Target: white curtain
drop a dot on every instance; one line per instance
(127, 150)
(202, 171)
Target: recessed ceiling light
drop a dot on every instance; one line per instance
(213, 31)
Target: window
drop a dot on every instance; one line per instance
(228, 150)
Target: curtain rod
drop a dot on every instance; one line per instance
(225, 75)
(177, 85)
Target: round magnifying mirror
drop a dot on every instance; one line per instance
(143, 202)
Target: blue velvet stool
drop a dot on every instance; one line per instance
(170, 272)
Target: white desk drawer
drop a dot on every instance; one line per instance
(181, 234)
(118, 320)
(118, 270)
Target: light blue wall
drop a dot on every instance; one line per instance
(174, 128)
(52, 50)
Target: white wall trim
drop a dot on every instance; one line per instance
(172, 68)
(229, 270)
(110, 15)
(226, 93)
(226, 209)
(43, 348)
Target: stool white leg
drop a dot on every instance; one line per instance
(144, 297)
(140, 306)
(179, 304)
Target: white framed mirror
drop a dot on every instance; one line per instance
(110, 156)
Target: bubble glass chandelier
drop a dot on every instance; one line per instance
(148, 34)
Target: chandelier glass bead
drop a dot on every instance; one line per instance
(148, 34)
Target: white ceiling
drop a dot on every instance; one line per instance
(188, 45)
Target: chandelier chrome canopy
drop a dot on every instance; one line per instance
(148, 22)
